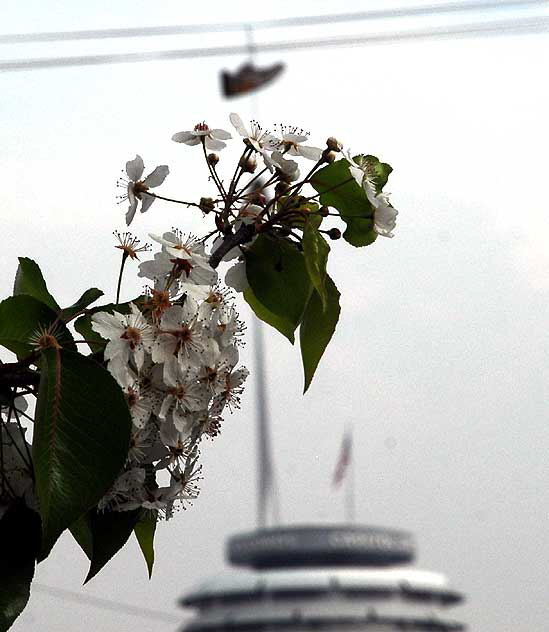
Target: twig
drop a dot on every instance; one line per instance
(242, 236)
(18, 374)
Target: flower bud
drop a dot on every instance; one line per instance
(281, 188)
(213, 159)
(324, 211)
(206, 205)
(248, 165)
(333, 144)
(256, 197)
(283, 177)
(334, 233)
(328, 156)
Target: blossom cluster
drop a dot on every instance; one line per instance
(274, 150)
(175, 356)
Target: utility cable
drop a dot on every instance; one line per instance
(107, 604)
(502, 27)
(309, 20)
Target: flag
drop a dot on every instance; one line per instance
(344, 460)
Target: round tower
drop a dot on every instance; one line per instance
(303, 578)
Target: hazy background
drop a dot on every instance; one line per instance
(440, 356)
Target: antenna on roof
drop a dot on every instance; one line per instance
(266, 482)
(245, 81)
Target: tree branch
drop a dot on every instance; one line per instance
(18, 374)
(242, 236)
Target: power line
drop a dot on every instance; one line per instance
(310, 20)
(107, 604)
(503, 27)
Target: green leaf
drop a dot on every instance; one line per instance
(144, 532)
(102, 534)
(317, 328)
(81, 438)
(82, 533)
(89, 297)
(29, 281)
(19, 546)
(379, 171)
(302, 210)
(23, 316)
(284, 325)
(84, 328)
(279, 280)
(110, 531)
(316, 251)
(340, 190)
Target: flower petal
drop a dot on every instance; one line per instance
(238, 124)
(146, 204)
(134, 168)
(236, 277)
(185, 137)
(357, 174)
(294, 138)
(130, 214)
(312, 153)
(220, 134)
(157, 177)
(109, 326)
(197, 292)
(216, 145)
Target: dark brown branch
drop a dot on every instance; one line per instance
(242, 236)
(18, 374)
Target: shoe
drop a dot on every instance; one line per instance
(247, 79)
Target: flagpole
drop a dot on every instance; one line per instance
(350, 496)
(267, 489)
(350, 502)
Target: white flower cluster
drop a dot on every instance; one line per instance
(272, 148)
(175, 358)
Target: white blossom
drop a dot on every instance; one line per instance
(212, 305)
(258, 138)
(231, 391)
(184, 393)
(136, 189)
(126, 487)
(129, 336)
(176, 363)
(141, 400)
(384, 214)
(179, 334)
(189, 264)
(289, 168)
(291, 143)
(229, 328)
(212, 138)
(216, 364)
(176, 440)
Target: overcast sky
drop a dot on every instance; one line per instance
(440, 356)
